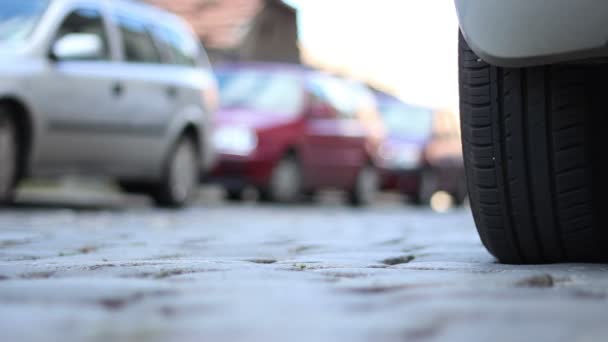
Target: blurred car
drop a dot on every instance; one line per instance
(421, 154)
(290, 131)
(533, 100)
(109, 88)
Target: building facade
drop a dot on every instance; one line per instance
(241, 30)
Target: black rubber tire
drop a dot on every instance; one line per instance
(137, 188)
(167, 195)
(8, 159)
(529, 140)
(428, 186)
(309, 196)
(234, 195)
(460, 194)
(285, 185)
(366, 187)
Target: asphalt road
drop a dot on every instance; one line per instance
(94, 269)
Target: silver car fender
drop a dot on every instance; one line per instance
(196, 117)
(520, 33)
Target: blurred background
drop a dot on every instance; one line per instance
(397, 48)
(400, 46)
(302, 97)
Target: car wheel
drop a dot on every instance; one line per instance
(528, 143)
(460, 194)
(365, 188)
(136, 188)
(428, 185)
(285, 182)
(309, 196)
(8, 160)
(234, 195)
(180, 180)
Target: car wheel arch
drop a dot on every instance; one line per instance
(23, 120)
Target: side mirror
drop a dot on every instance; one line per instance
(78, 46)
(321, 110)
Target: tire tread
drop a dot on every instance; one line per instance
(527, 158)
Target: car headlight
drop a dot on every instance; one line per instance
(403, 157)
(235, 140)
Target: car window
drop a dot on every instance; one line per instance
(269, 92)
(366, 109)
(177, 48)
(409, 121)
(86, 20)
(137, 42)
(334, 92)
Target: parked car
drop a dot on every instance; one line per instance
(288, 131)
(421, 154)
(533, 104)
(110, 88)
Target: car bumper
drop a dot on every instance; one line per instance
(519, 33)
(449, 178)
(403, 181)
(237, 171)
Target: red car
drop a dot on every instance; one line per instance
(289, 131)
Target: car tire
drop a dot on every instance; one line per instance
(8, 159)
(234, 195)
(365, 188)
(428, 185)
(532, 157)
(136, 188)
(181, 176)
(460, 194)
(285, 185)
(309, 196)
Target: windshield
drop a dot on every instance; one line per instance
(18, 18)
(261, 91)
(407, 121)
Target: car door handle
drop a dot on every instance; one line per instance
(118, 89)
(171, 92)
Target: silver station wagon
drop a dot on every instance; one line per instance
(116, 89)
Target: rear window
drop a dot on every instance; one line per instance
(18, 18)
(177, 47)
(335, 93)
(261, 91)
(138, 45)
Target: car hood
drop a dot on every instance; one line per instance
(251, 118)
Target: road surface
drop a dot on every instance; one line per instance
(125, 271)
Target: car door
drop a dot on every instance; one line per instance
(77, 99)
(328, 148)
(149, 97)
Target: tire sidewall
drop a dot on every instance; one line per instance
(366, 186)
(8, 159)
(286, 181)
(181, 176)
(429, 184)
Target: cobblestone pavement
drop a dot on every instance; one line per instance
(220, 272)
